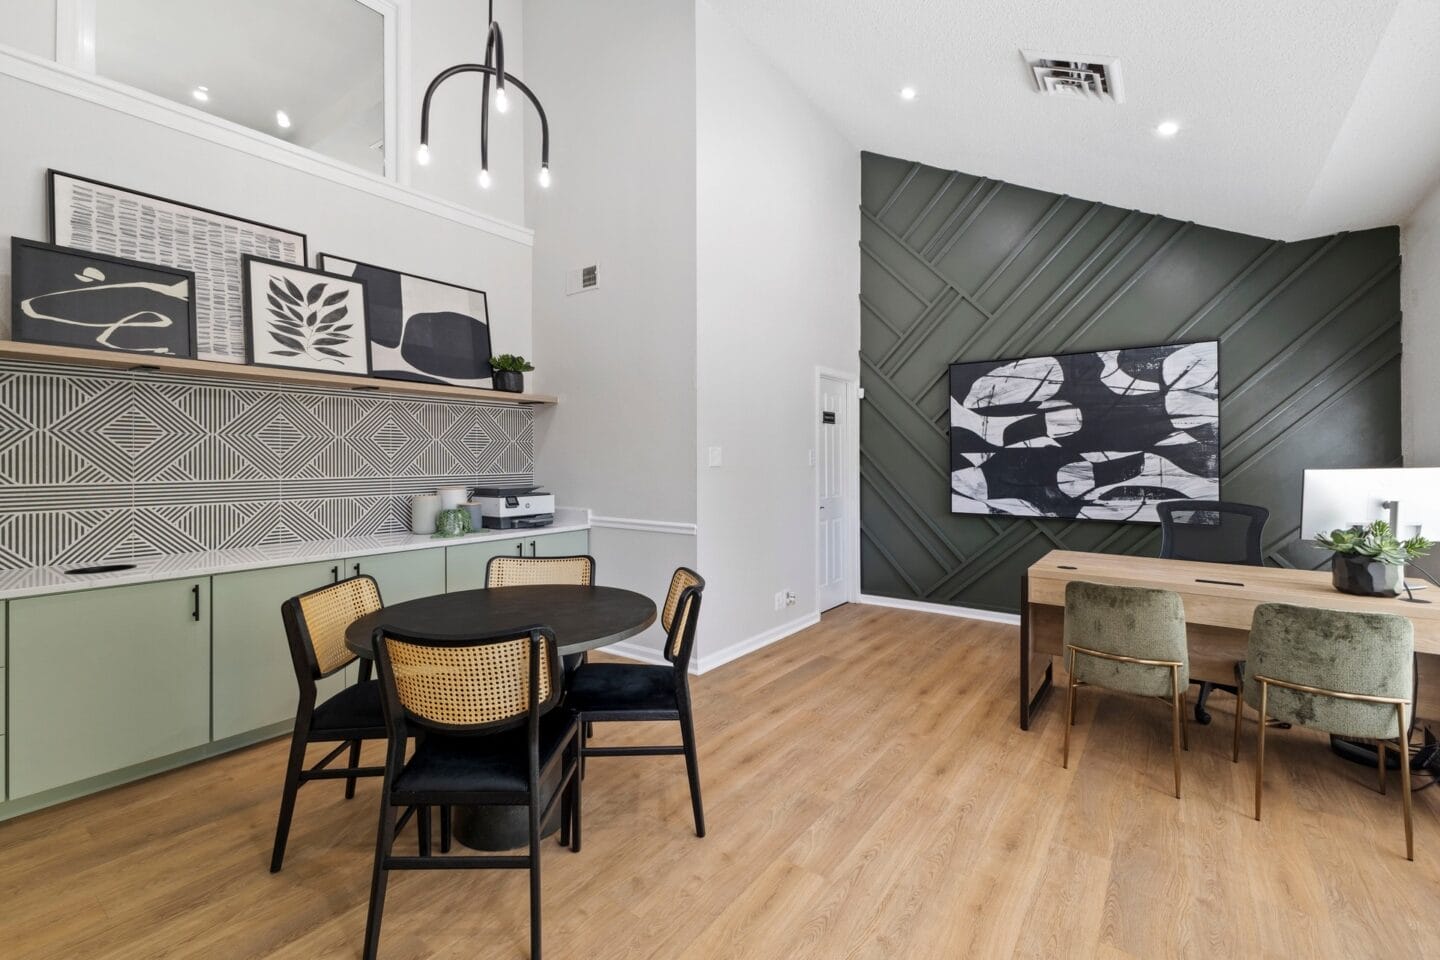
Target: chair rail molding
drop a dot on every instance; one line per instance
(49, 75)
(672, 527)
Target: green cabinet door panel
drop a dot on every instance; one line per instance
(105, 679)
(465, 563)
(254, 681)
(569, 544)
(403, 576)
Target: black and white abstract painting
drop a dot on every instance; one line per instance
(1095, 436)
(304, 319)
(104, 218)
(74, 298)
(423, 329)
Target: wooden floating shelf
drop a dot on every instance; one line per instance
(117, 360)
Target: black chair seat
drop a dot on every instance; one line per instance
(493, 763)
(610, 687)
(357, 707)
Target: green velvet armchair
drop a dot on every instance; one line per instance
(1335, 671)
(1131, 640)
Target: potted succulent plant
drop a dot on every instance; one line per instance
(510, 371)
(1370, 561)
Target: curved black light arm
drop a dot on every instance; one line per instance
(481, 68)
(495, 59)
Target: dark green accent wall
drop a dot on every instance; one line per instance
(958, 267)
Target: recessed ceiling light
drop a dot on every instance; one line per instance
(282, 119)
(1168, 128)
(201, 93)
(907, 93)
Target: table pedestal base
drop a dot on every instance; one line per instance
(497, 828)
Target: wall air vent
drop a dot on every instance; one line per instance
(1076, 78)
(582, 280)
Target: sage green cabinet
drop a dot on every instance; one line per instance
(254, 679)
(465, 563)
(568, 544)
(104, 679)
(403, 576)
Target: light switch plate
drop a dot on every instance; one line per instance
(714, 456)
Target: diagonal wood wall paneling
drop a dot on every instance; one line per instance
(958, 267)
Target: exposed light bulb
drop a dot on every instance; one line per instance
(545, 175)
(907, 93)
(422, 156)
(502, 100)
(282, 119)
(484, 179)
(201, 93)
(1168, 128)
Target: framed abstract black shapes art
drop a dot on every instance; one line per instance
(422, 329)
(302, 319)
(1094, 436)
(74, 298)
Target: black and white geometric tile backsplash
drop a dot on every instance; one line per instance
(105, 466)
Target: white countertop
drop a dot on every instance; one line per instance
(36, 581)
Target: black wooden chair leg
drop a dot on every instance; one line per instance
(294, 766)
(445, 829)
(575, 813)
(565, 818)
(354, 762)
(422, 827)
(534, 810)
(1202, 716)
(692, 766)
(384, 839)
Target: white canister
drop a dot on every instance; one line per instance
(452, 497)
(423, 510)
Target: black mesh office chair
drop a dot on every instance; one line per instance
(1213, 531)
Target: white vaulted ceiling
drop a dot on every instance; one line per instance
(1297, 117)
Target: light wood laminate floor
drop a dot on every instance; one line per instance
(869, 795)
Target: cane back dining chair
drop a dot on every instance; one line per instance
(315, 625)
(506, 571)
(1212, 531)
(1344, 673)
(1131, 640)
(620, 692)
(487, 731)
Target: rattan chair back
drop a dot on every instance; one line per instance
(576, 571)
(472, 685)
(681, 613)
(315, 623)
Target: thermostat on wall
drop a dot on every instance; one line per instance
(582, 280)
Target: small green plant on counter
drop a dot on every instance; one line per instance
(1375, 541)
(512, 363)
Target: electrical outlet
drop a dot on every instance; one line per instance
(780, 600)
(790, 598)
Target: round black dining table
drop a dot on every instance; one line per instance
(582, 618)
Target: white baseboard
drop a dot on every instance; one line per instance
(706, 661)
(944, 609)
(702, 662)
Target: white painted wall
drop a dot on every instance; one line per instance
(1420, 332)
(29, 25)
(48, 129)
(618, 81)
(778, 282)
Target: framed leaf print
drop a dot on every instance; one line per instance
(302, 319)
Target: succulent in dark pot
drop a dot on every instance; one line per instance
(1370, 560)
(510, 371)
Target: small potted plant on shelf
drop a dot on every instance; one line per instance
(510, 371)
(1369, 560)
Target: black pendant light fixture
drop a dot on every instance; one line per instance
(494, 66)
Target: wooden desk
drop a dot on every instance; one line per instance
(1220, 599)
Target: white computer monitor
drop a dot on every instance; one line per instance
(1407, 497)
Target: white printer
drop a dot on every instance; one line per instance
(511, 508)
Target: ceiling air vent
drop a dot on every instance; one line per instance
(1077, 78)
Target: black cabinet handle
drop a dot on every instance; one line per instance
(532, 549)
(195, 607)
(335, 574)
(357, 569)
(520, 549)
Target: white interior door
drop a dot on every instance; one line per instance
(832, 575)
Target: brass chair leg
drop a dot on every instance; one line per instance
(1260, 748)
(1380, 764)
(1185, 719)
(1404, 754)
(1069, 717)
(1175, 723)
